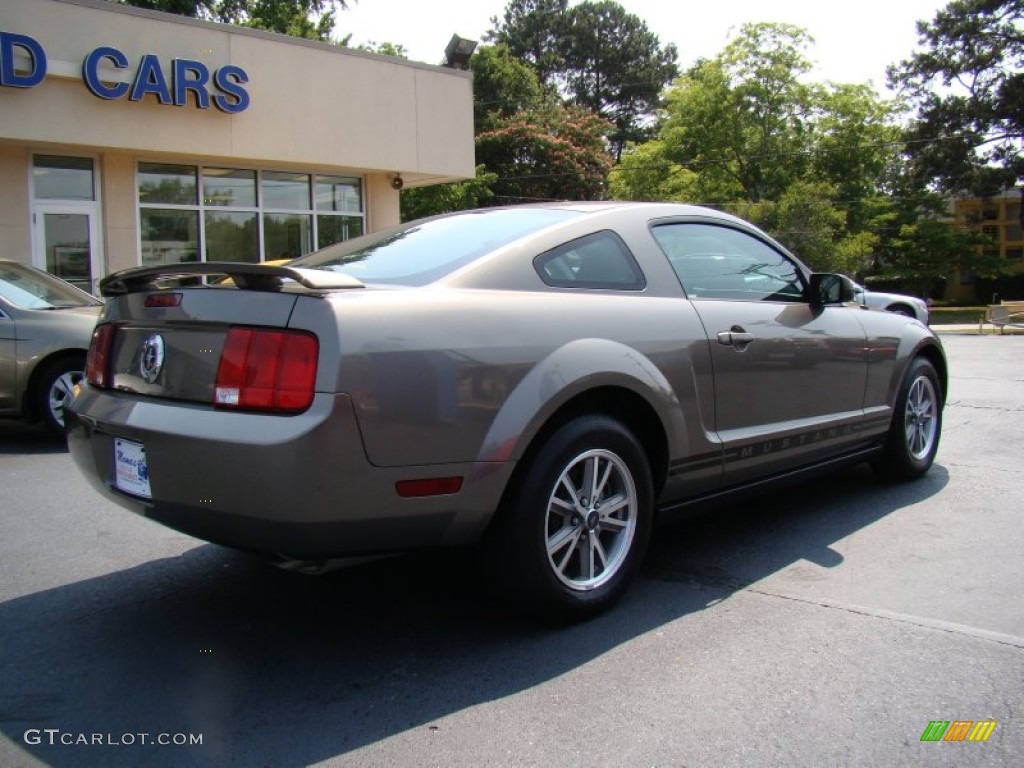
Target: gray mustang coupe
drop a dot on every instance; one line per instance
(539, 381)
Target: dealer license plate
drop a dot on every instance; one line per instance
(131, 471)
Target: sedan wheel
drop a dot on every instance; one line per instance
(913, 438)
(575, 522)
(56, 388)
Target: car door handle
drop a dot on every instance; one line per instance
(735, 337)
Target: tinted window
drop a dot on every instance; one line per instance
(715, 262)
(421, 252)
(600, 260)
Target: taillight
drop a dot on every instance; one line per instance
(266, 370)
(97, 362)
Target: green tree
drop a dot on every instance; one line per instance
(313, 19)
(533, 31)
(384, 49)
(807, 221)
(529, 145)
(856, 142)
(502, 86)
(615, 67)
(929, 250)
(418, 202)
(553, 153)
(814, 164)
(742, 119)
(967, 83)
(647, 173)
(595, 55)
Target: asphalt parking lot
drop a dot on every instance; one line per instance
(828, 625)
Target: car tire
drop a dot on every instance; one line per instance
(913, 438)
(560, 551)
(54, 391)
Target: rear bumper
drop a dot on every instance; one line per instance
(285, 486)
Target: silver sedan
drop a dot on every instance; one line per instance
(538, 381)
(45, 328)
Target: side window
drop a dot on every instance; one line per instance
(600, 260)
(717, 262)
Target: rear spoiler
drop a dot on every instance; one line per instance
(251, 277)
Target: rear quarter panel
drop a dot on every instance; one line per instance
(442, 376)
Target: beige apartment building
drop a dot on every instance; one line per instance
(131, 137)
(999, 218)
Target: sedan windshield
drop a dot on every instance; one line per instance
(28, 288)
(421, 252)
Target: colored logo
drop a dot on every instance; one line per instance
(152, 358)
(958, 730)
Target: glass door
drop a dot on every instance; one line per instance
(66, 242)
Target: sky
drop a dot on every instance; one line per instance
(854, 41)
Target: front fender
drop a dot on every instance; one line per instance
(890, 354)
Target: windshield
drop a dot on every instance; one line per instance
(423, 251)
(28, 288)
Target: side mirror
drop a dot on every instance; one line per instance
(826, 288)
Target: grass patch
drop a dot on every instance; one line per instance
(955, 315)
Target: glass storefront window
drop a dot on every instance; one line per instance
(169, 236)
(229, 187)
(338, 193)
(246, 214)
(286, 191)
(232, 236)
(334, 229)
(168, 184)
(285, 235)
(56, 177)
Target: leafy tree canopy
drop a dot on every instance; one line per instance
(532, 30)
(967, 83)
(313, 19)
(502, 85)
(384, 49)
(417, 202)
(812, 163)
(595, 55)
(553, 153)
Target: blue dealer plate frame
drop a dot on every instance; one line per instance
(131, 469)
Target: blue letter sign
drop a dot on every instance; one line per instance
(91, 76)
(191, 76)
(187, 76)
(239, 97)
(37, 61)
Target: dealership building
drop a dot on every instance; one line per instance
(133, 138)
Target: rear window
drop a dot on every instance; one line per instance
(421, 252)
(29, 288)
